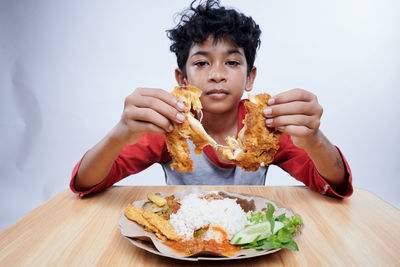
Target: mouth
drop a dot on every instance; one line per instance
(217, 92)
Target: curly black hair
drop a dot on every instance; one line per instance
(210, 19)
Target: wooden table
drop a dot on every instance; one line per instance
(71, 231)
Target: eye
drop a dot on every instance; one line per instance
(233, 63)
(201, 63)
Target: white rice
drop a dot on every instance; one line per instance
(195, 213)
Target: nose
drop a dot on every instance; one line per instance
(217, 73)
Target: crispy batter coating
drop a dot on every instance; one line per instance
(136, 215)
(191, 128)
(151, 222)
(179, 150)
(161, 224)
(159, 201)
(256, 144)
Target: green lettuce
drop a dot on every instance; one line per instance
(283, 238)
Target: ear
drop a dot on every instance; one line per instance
(180, 79)
(250, 79)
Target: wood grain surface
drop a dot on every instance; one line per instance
(362, 230)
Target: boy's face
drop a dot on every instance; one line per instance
(219, 69)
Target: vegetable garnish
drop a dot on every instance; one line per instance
(268, 232)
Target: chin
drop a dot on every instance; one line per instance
(218, 109)
(219, 106)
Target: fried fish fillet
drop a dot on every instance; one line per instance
(191, 128)
(256, 144)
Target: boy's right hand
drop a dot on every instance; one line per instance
(147, 110)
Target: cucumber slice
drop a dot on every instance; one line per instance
(151, 206)
(252, 233)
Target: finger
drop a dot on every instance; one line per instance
(163, 96)
(147, 115)
(294, 130)
(299, 120)
(160, 107)
(291, 108)
(296, 94)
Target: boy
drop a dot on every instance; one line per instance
(215, 49)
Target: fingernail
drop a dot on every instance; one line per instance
(269, 122)
(271, 101)
(180, 106)
(267, 111)
(171, 128)
(280, 128)
(180, 117)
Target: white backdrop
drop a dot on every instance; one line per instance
(66, 67)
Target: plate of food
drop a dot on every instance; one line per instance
(195, 224)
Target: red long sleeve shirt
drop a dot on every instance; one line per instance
(208, 169)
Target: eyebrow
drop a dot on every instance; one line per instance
(235, 51)
(205, 53)
(202, 53)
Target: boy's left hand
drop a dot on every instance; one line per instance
(297, 113)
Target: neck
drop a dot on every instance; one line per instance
(218, 126)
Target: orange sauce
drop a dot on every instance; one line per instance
(192, 246)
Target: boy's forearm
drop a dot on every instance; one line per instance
(328, 161)
(97, 163)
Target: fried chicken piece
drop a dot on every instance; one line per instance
(191, 128)
(256, 144)
(161, 224)
(136, 215)
(179, 150)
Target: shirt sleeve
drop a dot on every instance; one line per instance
(150, 149)
(298, 164)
